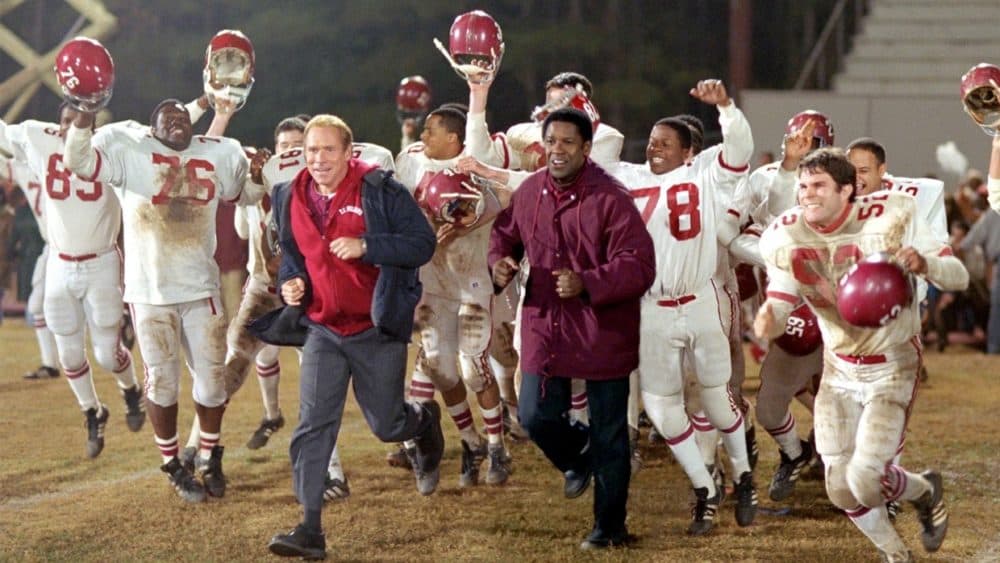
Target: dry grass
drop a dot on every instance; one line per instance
(56, 505)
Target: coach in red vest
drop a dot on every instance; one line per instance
(352, 239)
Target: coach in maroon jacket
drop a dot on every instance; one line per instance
(591, 261)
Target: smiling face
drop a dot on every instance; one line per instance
(565, 150)
(869, 170)
(664, 151)
(172, 126)
(821, 198)
(328, 156)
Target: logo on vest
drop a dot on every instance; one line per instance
(350, 209)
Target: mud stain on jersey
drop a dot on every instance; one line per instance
(255, 304)
(474, 326)
(177, 223)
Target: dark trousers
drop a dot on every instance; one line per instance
(377, 364)
(543, 404)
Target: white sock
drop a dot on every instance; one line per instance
(685, 449)
(268, 378)
(493, 421)
(900, 484)
(787, 437)
(461, 414)
(167, 446)
(335, 470)
(706, 436)
(421, 387)
(874, 523)
(82, 384)
(578, 402)
(124, 373)
(208, 441)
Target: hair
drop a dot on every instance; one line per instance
(693, 122)
(290, 124)
(684, 132)
(452, 119)
(573, 79)
(159, 107)
(455, 106)
(333, 122)
(305, 117)
(574, 116)
(832, 161)
(870, 145)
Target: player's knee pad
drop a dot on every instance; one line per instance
(443, 374)
(864, 477)
(837, 487)
(475, 329)
(209, 387)
(71, 350)
(162, 385)
(476, 371)
(502, 346)
(36, 302)
(720, 408)
(667, 413)
(107, 348)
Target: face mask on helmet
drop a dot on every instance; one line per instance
(570, 98)
(86, 74)
(451, 197)
(981, 96)
(475, 47)
(229, 68)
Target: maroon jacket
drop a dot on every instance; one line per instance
(595, 230)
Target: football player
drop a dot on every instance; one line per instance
(870, 368)
(83, 292)
(455, 315)
(170, 183)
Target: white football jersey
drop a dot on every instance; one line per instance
(766, 193)
(528, 152)
(929, 194)
(683, 210)
(169, 201)
(804, 262)
(81, 217)
(18, 172)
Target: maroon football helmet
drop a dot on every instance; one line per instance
(229, 67)
(86, 74)
(475, 46)
(981, 96)
(571, 98)
(873, 292)
(823, 131)
(413, 98)
(801, 336)
(447, 196)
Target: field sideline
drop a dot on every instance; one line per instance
(56, 505)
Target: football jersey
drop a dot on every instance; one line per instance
(80, 217)
(169, 200)
(802, 261)
(528, 152)
(683, 209)
(766, 193)
(929, 194)
(18, 172)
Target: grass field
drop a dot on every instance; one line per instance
(56, 505)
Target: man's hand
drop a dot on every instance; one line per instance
(348, 248)
(911, 260)
(257, 163)
(504, 270)
(293, 290)
(84, 120)
(409, 128)
(568, 283)
(765, 326)
(712, 92)
(796, 145)
(449, 231)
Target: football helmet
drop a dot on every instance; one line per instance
(448, 196)
(413, 99)
(823, 131)
(801, 336)
(229, 67)
(981, 96)
(475, 46)
(873, 292)
(570, 98)
(86, 74)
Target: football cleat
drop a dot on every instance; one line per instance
(187, 487)
(753, 451)
(263, 433)
(300, 542)
(187, 458)
(719, 478)
(211, 472)
(95, 430)
(932, 513)
(703, 511)
(893, 508)
(426, 459)
(43, 372)
(499, 469)
(783, 483)
(472, 458)
(746, 500)
(135, 412)
(899, 557)
(335, 489)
